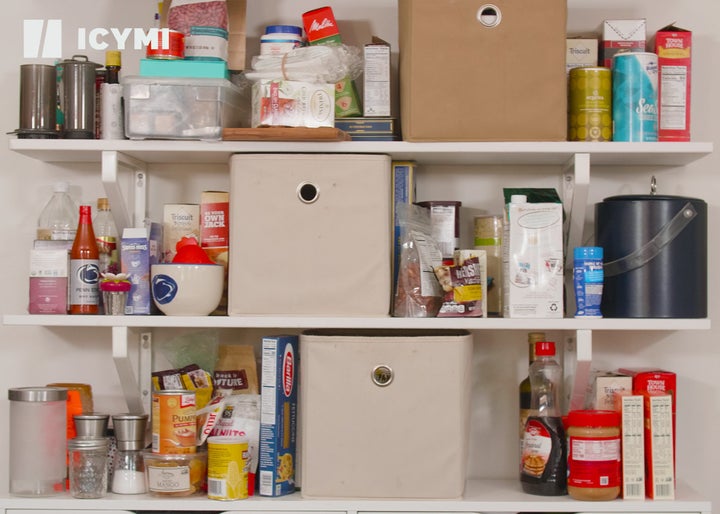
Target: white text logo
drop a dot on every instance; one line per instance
(42, 39)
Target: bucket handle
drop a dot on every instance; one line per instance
(652, 248)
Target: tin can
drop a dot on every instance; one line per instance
(166, 44)
(173, 422)
(590, 104)
(228, 459)
(634, 91)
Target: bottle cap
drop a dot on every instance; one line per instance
(544, 348)
(103, 204)
(85, 210)
(518, 199)
(113, 58)
(588, 252)
(593, 418)
(61, 187)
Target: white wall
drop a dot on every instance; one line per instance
(34, 355)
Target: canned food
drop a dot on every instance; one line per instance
(590, 104)
(173, 422)
(634, 91)
(166, 44)
(228, 459)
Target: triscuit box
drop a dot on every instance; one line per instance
(621, 36)
(290, 103)
(385, 415)
(313, 234)
(278, 414)
(483, 72)
(603, 387)
(673, 47)
(179, 220)
(581, 52)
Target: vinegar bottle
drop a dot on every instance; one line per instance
(84, 267)
(58, 219)
(544, 455)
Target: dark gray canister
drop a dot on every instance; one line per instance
(655, 255)
(79, 104)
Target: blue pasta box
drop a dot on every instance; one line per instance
(278, 415)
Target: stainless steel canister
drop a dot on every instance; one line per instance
(79, 103)
(38, 101)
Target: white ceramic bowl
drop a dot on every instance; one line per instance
(187, 289)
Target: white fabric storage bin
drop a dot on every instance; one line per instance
(405, 439)
(310, 234)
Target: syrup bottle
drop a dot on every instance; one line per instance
(84, 267)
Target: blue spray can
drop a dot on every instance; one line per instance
(588, 277)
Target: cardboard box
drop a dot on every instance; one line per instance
(290, 103)
(621, 35)
(603, 387)
(364, 397)
(673, 47)
(404, 192)
(317, 235)
(278, 415)
(215, 234)
(659, 446)
(179, 220)
(376, 78)
(631, 407)
(139, 250)
(580, 52)
(463, 79)
(48, 281)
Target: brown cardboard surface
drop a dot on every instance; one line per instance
(463, 81)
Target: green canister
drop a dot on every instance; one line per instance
(590, 104)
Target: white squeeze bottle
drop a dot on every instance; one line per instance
(59, 218)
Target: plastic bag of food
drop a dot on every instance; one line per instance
(417, 292)
(184, 14)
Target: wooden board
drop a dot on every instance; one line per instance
(285, 134)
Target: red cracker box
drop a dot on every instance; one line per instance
(215, 233)
(659, 445)
(673, 46)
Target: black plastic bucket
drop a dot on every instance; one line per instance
(655, 255)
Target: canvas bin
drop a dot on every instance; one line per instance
(310, 234)
(384, 414)
(482, 71)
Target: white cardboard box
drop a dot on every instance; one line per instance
(385, 416)
(633, 444)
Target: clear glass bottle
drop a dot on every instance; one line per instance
(88, 471)
(106, 236)
(59, 218)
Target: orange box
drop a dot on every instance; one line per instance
(673, 46)
(215, 233)
(659, 445)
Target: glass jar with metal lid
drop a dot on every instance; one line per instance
(88, 468)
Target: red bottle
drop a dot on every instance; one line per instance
(84, 267)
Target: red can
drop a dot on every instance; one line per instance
(166, 44)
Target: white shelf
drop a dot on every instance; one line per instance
(380, 322)
(480, 496)
(502, 153)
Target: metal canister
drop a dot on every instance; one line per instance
(173, 422)
(590, 104)
(634, 91)
(79, 97)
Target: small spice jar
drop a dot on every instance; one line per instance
(88, 468)
(594, 471)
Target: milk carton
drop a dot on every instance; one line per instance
(533, 259)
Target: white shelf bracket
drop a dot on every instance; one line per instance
(135, 377)
(111, 163)
(577, 363)
(576, 183)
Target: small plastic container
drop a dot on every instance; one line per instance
(594, 471)
(175, 474)
(280, 39)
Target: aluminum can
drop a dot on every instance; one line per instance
(173, 422)
(634, 91)
(590, 104)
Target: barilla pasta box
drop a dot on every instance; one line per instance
(673, 48)
(278, 415)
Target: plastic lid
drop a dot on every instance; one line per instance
(544, 348)
(61, 187)
(291, 29)
(593, 418)
(113, 58)
(38, 394)
(518, 199)
(588, 252)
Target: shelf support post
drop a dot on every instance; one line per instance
(111, 162)
(136, 386)
(576, 183)
(577, 362)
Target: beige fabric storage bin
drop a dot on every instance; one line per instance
(310, 234)
(405, 439)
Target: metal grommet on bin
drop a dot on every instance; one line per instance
(489, 15)
(382, 375)
(308, 192)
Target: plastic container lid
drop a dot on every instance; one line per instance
(37, 394)
(544, 348)
(289, 29)
(588, 252)
(593, 418)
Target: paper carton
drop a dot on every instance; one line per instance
(632, 430)
(659, 454)
(48, 281)
(290, 103)
(179, 220)
(215, 233)
(278, 415)
(376, 78)
(673, 47)
(139, 250)
(621, 35)
(603, 387)
(580, 52)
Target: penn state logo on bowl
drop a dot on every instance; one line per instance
(164, 289)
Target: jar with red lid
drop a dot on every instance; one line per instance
(594, 468)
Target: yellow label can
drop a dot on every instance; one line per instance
(590, 104)
(228, 459)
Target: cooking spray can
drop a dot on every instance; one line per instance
(588, 277)
(634, 92)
